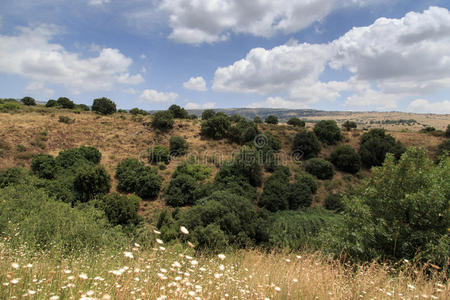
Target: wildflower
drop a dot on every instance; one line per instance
(128, 254)
(106, 297)
(54, 298)
(67, 271)
(15, 281)
(83, 276)
(159, 241)
(190, 244)
(278, 289)
(162, 248)
(31, 292)
(191, 293)
(29, 266)
(176, 265)
(221, 267)
(90, 293)
(137, 245)
(15, 265)
(221, 256)
(184, 230)
(156, 232)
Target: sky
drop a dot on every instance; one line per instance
(360, 55)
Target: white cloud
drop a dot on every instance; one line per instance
(196, 84)
(389, 60)
(130, 91)
(31, 54)
(39, 88)
(424, 106)
(126, 78)
(143, 56)
(155, 96)
(98, 2)
(193, 105)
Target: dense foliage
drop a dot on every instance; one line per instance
(216, 127)
(178, 146)
(120, 209)
(349, 125)
(296, 122)
(28, 101)
(104, 106)
(328, 132)
(346, 159)
(91, 181)
(208, 114)
(306, 144)
(158, 154)
(271, 119)
(401, 212)
(65, 102)
(44, 166)
(178, 112)
(320, 168)
(374, 146)
(162, 120)
(181, 191)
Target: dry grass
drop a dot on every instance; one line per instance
(174, 274)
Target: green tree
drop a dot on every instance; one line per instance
(91, 181)
(208, 114)
(320, 168)
(162, 120)
(296, 122)
(447, 132)
(65, 103)
(51, 103)
(178, 112)
(159, 154)
(104, 106)
(375, 144)
(181, 191)
(271, 119)
(328, 132)
(309, 180)
(44, 166)
(257, 120)
(349, 125)
(178, 145)
(299, 195)
(120, 209)
(306, 144)
(346, 159)
(28, 101)
(216, 127)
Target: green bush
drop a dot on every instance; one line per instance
(243, 131)
(257, 120)
(178, 146)
(208, 114)
(51, 103)
(216, 127)
(271, 119)
(275, 193)
(66, 120)
(320, 168)
(136, 111)
(296, 122)
(162, 120)
(199, 172)
(120, 209)
(45, 223)
(91, 181)
(148, 185)
(44, 166)
(374, 146)
(91, 154)
(328, 132)
(9, 107)
(83, 107)
(309, 180)
(447, 132)
(178, 112)
(159, 154)
(14, 176)
(181, 191)
(104, 106)
(400, 212)
(237, 118)
(346, 159)
(306, 144)
(71, 157)
(349, 125)
(299, 195)
(65, 103)
(444, 148)
(334, 202)
(28, 101)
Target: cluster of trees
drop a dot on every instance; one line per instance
(164, 120)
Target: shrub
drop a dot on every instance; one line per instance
(178, 112)
(120, 209)
(447, 132)
(208, 114)
(181, 191)
(244, 131)
(159, 154)
(65, 103)
(91, 181)
(400, 212)
(299, 195)
(444, 148)
(44, 166)
(306, 144)
(328, 132)
(162, 120)
(199, 172)
(296, 122)
(334, 202)
(237, 118)
(148, 184)
(69, 158)
(9, 107)
(320, 168)
(275, 192)
(83, 107)
(91, 154)
(374, 146)
(216, 127)
(271, 119)
(28, 101)
(346, 159)
(309, 180)
(66, 120)
(178, 145)
(427, 129)
(247, 164)
(104, 106)
(136, 111)
(349, 125)
(45, 223)
(257, 120)
(51, 103)
(14, 176)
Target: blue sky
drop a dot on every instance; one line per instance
(324, 54)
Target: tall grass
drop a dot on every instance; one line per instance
(177, 273)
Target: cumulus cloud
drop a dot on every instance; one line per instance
(39, 88)
(389, 60)
(274, 102)
(98, 2)
(196, 84)
(194, 105)
(424, 106)
(153, 96)
(31, 54)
